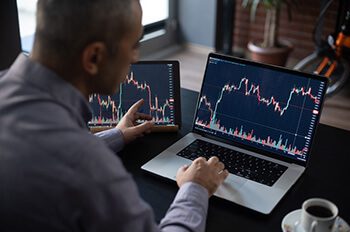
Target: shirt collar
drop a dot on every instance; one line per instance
(34, 73)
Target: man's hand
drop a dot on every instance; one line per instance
(210, 174)
(130, 129)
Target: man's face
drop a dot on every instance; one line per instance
(118, 65)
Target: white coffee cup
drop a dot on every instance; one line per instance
(318, 215)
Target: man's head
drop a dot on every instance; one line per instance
(90, 43)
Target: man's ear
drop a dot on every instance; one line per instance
(93, 56)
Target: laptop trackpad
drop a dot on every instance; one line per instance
(231, 186)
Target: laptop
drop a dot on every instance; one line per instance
(260, 120)
(157, 82)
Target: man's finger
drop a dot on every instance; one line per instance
(180, 171)
(143, 116)
(184, 168)
(199, 160)
(143, 127)
(213, 160)
(224, 174)
(220, 166)
(135, 107)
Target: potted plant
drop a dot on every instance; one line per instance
(271, 50)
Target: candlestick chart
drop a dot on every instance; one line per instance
(151, 82)
(267, 109)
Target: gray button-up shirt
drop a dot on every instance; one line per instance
(56, 176)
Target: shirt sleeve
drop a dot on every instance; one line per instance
(113, 137)
(109, 200)
(115, 205)
(188, 212)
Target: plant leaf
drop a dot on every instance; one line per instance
(253, 9)
(245, 3)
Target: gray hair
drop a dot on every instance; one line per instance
(66, 27)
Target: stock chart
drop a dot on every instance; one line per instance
(148, 81)
(268, 109)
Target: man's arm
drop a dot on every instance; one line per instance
(127, 129)
(104, 197)
(188, 211)
(196, 183)
(113, 137)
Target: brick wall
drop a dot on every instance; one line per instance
(298, 30)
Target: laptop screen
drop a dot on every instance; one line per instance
(157, 82)
(265, 107)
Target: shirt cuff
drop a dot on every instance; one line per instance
(194, 192)
(113, 137)
(188, 210)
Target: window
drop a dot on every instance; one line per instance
(26, 18)
(157, 16)
(160, 27)
(154, 11)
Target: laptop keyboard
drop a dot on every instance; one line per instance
(237, 163)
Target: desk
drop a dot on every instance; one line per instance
(326, 177)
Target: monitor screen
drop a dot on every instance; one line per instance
(157, 82)
(268, 108)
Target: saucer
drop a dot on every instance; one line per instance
(290, 220)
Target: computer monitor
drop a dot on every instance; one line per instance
(157, 82)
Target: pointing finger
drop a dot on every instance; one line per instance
(136, 106)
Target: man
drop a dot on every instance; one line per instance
(54, 174)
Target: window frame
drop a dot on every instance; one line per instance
(161, 35)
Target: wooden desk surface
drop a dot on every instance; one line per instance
(328, 176)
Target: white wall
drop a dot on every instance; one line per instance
(197, 21)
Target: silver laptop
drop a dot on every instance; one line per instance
(260, 120)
